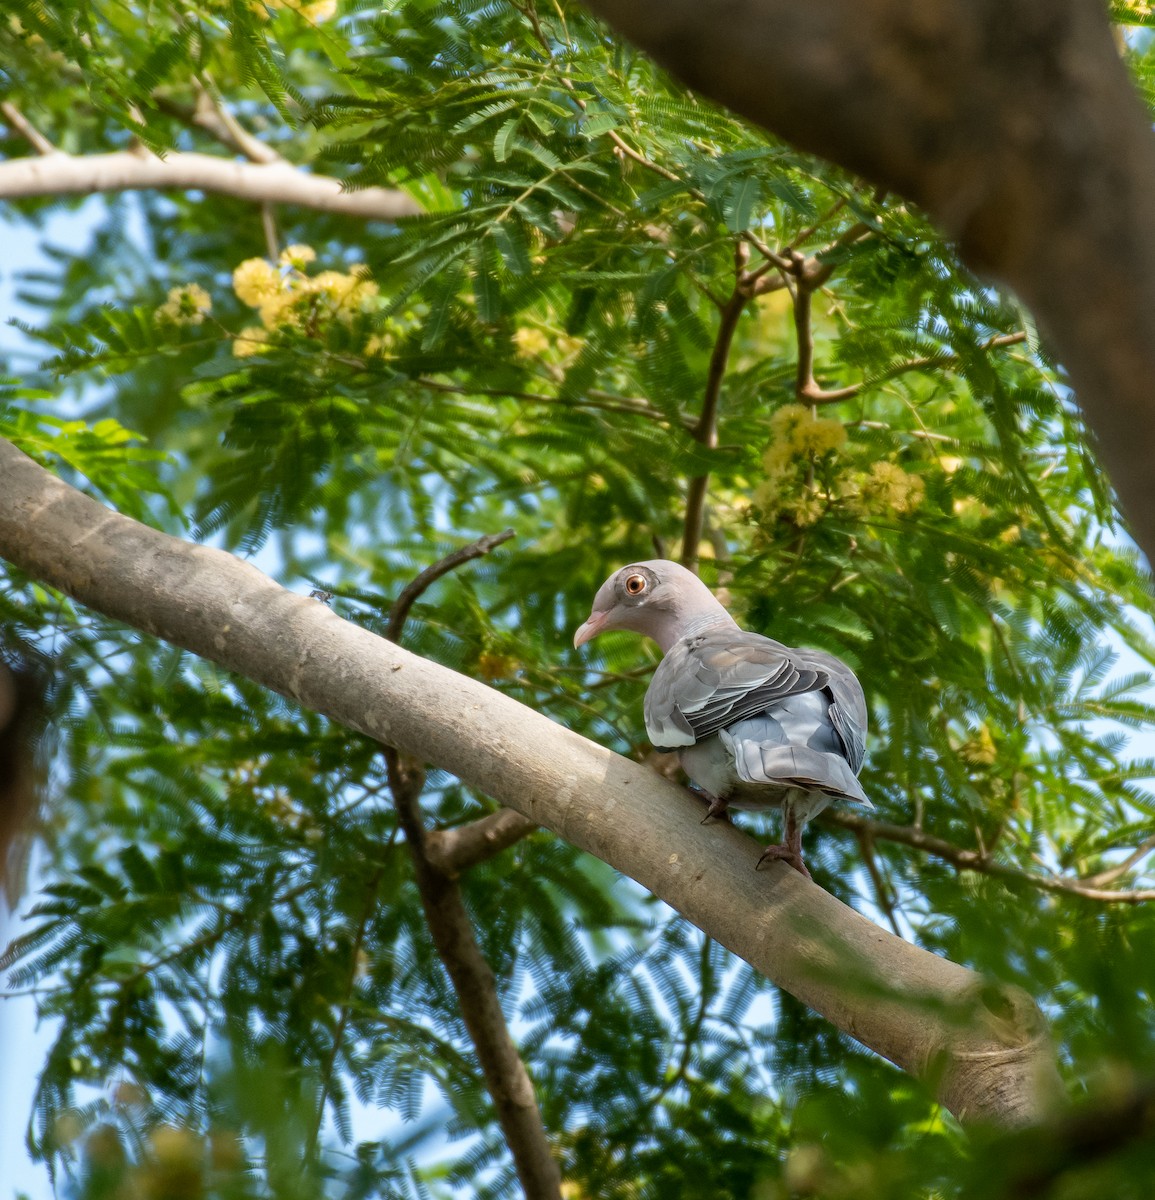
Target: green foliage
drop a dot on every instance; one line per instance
(228, 934)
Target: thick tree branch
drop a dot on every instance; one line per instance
(473, 981)
(1012, 122)
(59, 174)
(982, 1046)
(975, 860)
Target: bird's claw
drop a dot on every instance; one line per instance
(783, 853)
(718, 808)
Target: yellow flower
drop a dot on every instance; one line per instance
(252, 340)
(797, 432)
(530, 343)
(889, 489)
(344, 295)
(254, 280)
(319, 10)
(567, 345)
(298, 256)
(277, 309)
(186, 305)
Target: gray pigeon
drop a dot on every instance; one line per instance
(755, 723)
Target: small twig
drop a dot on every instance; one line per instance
(705, 432)
(882, 893)
(453, 851)
(808, 391)
(593, 399)
(972, 860)
(1120, 869)
(811, 230)
(18, 122)
(412, 592)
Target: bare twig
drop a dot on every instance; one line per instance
(452, 932)
(594, 399)
(413, 591)
(453, 851)
(705, 432)
(810, 275)
(19, 123)
(974, 860)
(211, 117)
(881, 891)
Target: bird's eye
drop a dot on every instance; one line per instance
(636, 585)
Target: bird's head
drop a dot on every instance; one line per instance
(658, 599)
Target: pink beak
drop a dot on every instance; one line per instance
(590, 630)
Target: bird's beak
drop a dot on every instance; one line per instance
(593, 626)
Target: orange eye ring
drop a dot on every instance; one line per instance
(636, 585)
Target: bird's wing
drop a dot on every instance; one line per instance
(710, 680)
(848, 704)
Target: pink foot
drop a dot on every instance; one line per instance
(783, 853)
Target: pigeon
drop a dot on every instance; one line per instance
(756, 724)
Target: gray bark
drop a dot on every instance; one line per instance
(1012, 122)
(982, 1046)
(59, 174)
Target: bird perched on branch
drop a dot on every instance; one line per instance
(756, 724)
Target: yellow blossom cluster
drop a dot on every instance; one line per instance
(798, 437)
(531, 342)
(316, 11)
(887, 488)
(188, 305)
(804, 480)
(285, 297)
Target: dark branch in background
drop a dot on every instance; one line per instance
(473, 981)
(22, 714)
(974, 860)
(399, 613)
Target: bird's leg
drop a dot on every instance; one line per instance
(789, 850)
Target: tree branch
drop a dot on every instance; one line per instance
(473, 981)
(1011, 122)
(399, 613)
(974, 860)
(59, 174)
(19, 123)
(982, 1046)
(454, 851)
(705, 432)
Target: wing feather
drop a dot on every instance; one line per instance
(710, 680)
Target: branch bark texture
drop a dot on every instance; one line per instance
(982, 1046)
(1012, 122)
(59, 174)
